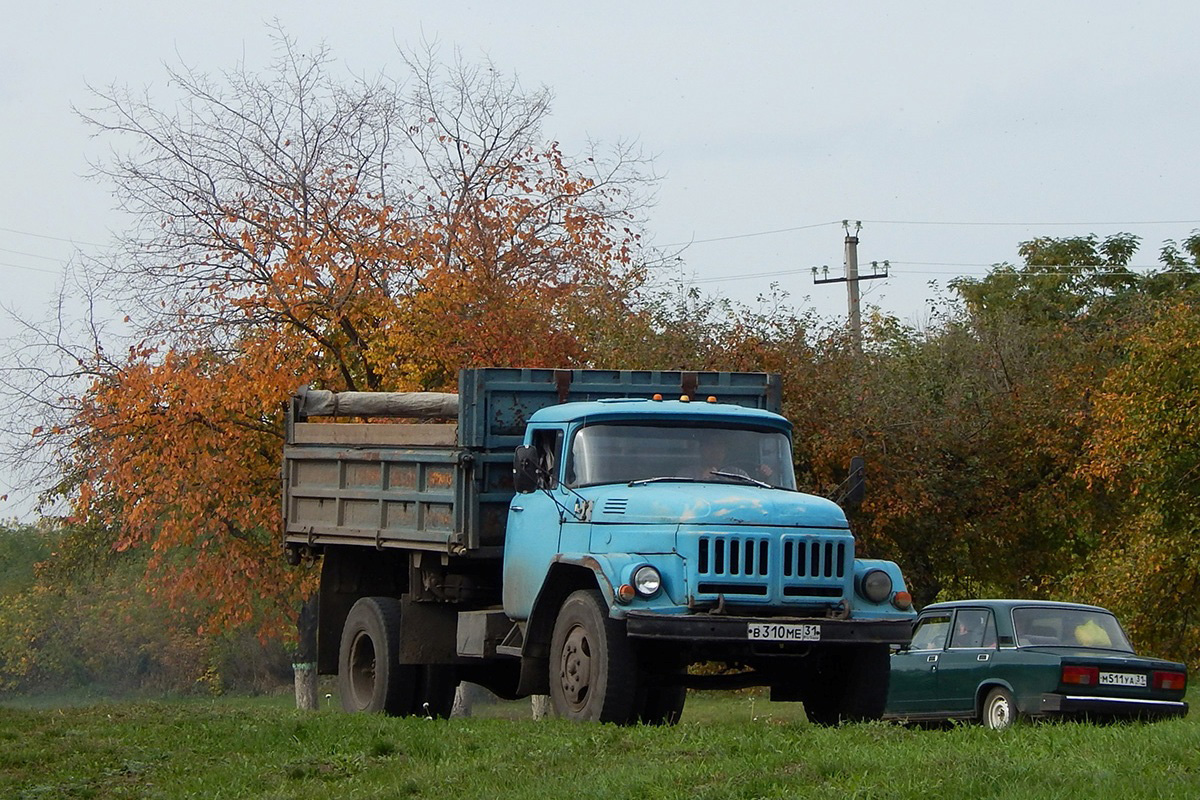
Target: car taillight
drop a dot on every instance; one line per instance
(1170, 680)
(1081, 676)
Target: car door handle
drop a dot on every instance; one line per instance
(983, 656)
(931, 659)
(518, 508)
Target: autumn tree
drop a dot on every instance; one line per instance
(1144, 454)
(975, 427)
(291, 228)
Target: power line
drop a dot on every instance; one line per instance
(944, 223)
(1021, 271)
(31, 255)
(31, 269)
(51, 238)
(773, 232)
(1025, 269)
(747, 276)
(750, 235)
(1030, 224)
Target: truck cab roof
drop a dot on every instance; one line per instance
(638, 408)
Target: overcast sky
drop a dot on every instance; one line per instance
(953, 130)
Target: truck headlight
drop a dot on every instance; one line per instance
(876, 586)
(647, 581)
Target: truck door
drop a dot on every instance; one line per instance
(531, 538)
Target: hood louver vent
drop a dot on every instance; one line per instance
(615, 505)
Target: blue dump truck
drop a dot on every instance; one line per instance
(590, 535)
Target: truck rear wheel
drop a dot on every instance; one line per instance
(593, 669)
(370, 675)
(436, 684)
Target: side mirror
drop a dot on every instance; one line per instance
(857, 483)
(525, 469)
(849, 493)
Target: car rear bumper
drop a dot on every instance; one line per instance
(1067, 705)
(712, 628)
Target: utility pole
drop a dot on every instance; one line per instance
(851, 280)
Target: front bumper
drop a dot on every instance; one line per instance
(1065, 705)
(712, 628)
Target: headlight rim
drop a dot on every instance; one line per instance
(649, 574)
(880, 593)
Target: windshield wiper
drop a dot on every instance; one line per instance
(742, 477)
(663, 478)
(684, 479)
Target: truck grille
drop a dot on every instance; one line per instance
(815, 559)
(802, 567)
(734, 555)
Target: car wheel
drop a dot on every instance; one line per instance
(999, 710)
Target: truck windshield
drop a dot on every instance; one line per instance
(618, 453)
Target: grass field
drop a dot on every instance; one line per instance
(727, 746)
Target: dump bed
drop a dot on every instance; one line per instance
(445, 485)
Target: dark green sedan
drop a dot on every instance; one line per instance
(992, 661)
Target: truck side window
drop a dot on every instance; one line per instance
(549, 454)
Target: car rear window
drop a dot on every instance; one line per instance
(1068, 627)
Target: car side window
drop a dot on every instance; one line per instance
(930, 632)
(973, 628)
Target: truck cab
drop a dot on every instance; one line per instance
(687, 517)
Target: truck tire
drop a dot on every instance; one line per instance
(661, 705)
(436, 685)
(850, 685)
(867, 688)
(370, 675)
(593, 668)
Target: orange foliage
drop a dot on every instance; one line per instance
(179, 447)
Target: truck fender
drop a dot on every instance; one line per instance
(862, 608)
(567, 573)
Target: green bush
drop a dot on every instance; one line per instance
(99, 628)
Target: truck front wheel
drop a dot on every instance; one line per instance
(661, 705)
(593, 668)
(850, 685)
(370, 675)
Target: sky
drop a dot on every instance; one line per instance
(951, 130)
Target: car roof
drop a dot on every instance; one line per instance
(1005, 604)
